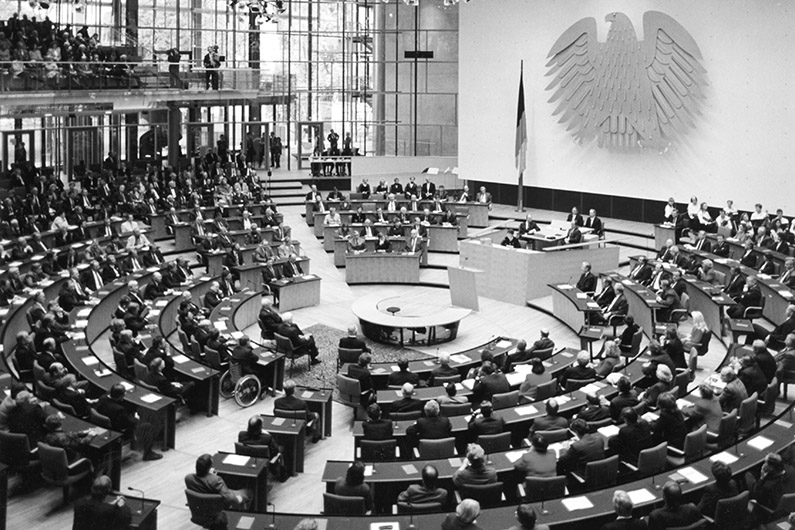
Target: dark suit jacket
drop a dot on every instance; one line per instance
(631, 440)
(377, 430)
(353, 343)
(91, 514)
(643, 274)
(406, 405)
(430, 429)
(549, 423)
(490, 425)
(486, 387)
(589, 448)
(363, 375)
(401, 378)
(663, 518)
(625, 524)
(587, 282)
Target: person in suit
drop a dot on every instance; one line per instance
(539, 461)
(123, 419)
(733, 393)
(632, 438)
(352, 341)
(510, 240)
(748, 257)
(291, 268)
(407, 403)
(528, 226)
(443, 370)
(432, 426)
(765, 360)
(289, 401)
(488, 383)
(426, 492)
(579, 370)
(673, 513)
(670, 425)
(587, 447)
(596, 408)
(787, 276)
(705, 410)
(573, 236)
(111, 271)
(353, 485)
(97, 511)
(642, 272)
(623, 506)
(618, 307)
(575, 217)
(375, 427)
(752, 376)
(593, 222)
(668, 300)
(701, 242)
(361, 372)
(155, 288)
(551, 421)
(255, 435)
(663, 382)
(527, 519)
(724, 487)
(721, 247)
(483, 421)
(451, 397)
(735, 283)
(299, 340)
(474, 470)
(428, 189)
(214, 296)
(403, 375)
(606, 295)
(785, 360)
(768, 266)
(587, 281)
(205, 480)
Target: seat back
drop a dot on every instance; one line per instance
(445, 379)
(546, 390)
(195, 349)
(14, 449)
(257, 451)
(54, 465)
(38, 371)
(493, 443)
(433, 449)
(100, 420)
(543, 488)
(505, 400)
(347, 356)
(213, 358)
(341, 505)
(697, 525)
(378, 450)
(183, 339)
(594, 426)
(576, 384)
(768, 405)
(121, 364)
(640, 408)
(349, 390)
(544, 354)
(486, 494)
(291, 414)
(601, 473)
(283, 345)
(681, 380)
(637, 338)
(455, 409)
(746, 418)
(703, 347)
(63, 407)
(420, 507)
(206, 509)
(555, 435)
(43, 391)
(653, 459)
(727, 430)
(404, 416)
(732, 513)
(140, 370)
(695, 444)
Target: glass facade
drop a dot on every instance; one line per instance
(349, 65)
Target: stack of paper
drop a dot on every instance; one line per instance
(577, 503)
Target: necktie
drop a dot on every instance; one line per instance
(636, 271)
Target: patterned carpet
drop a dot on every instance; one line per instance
(327, 340)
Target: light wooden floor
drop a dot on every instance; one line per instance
(302, 494)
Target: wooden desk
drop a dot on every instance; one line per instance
(182, 239)
(662, 233)
(320, 402)
(290, 434)
(382, 268)
(144, 512)
(478, 212)
(298, 292)
(251, 473)
(572, 306)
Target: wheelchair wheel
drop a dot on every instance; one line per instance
(226, 386)
(247, 390)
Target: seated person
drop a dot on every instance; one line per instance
(432, 426)
(407, 403)
(76, 444)
(464, 518)
(510, 240)
(403, 375)
(100, 511)
(617, 307)
(670, 426)
(482, 421)
(526, 517)
(733, 393)
(664, 382)
(587, 447)
(443, 370)
(627, 397)
(724, 487)
(353, 485)
(352, 341)
(374, 427)
(705, 410)
(529, 387)
(205, 480)
(474, 470)
(427, 492)
(674, 513)
(255, 435)
(580, 370)
(125, 420)
(596, 408)
(361, 372)
(450, 396)
(551, 421)
(766, 490)
(539, 461)
(632, 438)
(611, 360)
(290, 402)
(299, 340)
(623, 505)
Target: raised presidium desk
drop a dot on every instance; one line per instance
(298, 291)
(396, 244)
(387, 267)
(467, 213)
(662, 233)
(387, 319)
(550, 235)
(440, 238)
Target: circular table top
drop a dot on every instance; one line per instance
(412, 312)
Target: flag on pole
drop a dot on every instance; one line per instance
(521, 127)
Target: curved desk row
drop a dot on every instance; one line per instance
(476, 213)
(441, 238)
(447, 234)
(388, 267)
(160, 226)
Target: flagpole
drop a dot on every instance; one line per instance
(520, 190)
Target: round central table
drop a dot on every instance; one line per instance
(385, 319)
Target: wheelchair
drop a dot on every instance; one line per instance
(245, 389)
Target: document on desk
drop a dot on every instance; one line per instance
(277, 421)
(179, 359)
(127, 386)
(220, 325)
(562, 400)
(469, 384)
(368, 470)
(245, 523)
(409, 469)
(760, 443)
(582, 296)
(640, 496)
(162, 303)
(513, 456)
(726, 458)
(91, 360)
(608, 431)
(565, 286)
(577, 503)
(454, 462)
(504, 344)
(385, 526)
(150, 398)
(526, 410)
(307, 394)
(236, 460)
(460, 358)
(692, 475)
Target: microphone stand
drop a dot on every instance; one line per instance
(141, 509)
(272, 526)
(544, 510)
(411, 517)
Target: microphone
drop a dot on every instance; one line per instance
(411, 517)
(272, 526)
(142, 498)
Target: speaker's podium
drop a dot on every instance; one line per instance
(463, 287)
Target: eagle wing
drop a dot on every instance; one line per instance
(678, 80)
(573, 64)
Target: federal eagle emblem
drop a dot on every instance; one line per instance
(626, 94)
